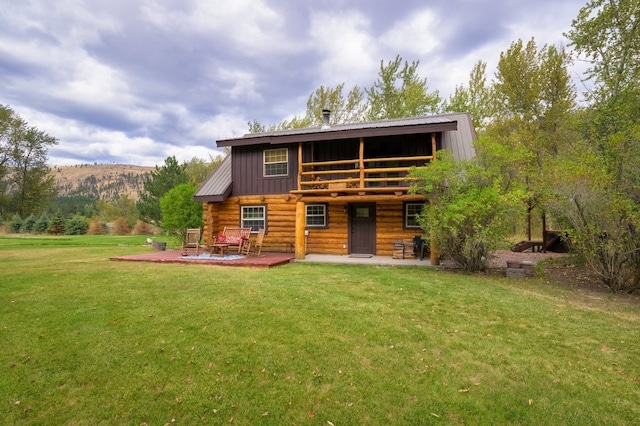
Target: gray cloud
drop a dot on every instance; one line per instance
(134, 82)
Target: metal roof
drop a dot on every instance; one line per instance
(460, 142)
(423, 124)
(218, 185)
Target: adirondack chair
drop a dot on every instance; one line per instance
(257, 246)
(191, 242)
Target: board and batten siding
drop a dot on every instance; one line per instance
(281, 211)
(248, 171)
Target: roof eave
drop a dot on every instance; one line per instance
(337, 134)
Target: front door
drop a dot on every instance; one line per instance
(362, 228)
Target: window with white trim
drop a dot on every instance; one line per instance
(254, 217)
(276, 162)
(411, 211)
(316, 215)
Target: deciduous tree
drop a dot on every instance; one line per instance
(25, 183)
(179, 211)
(400, 92)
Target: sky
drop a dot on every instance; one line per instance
(136, 81)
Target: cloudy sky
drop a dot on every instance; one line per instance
(135, 81)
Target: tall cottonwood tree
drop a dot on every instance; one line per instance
(400, 92)
(344, 109)
(601, 205)
(474, 98)
(533, 100)
(25, 183)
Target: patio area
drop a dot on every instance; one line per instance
(266, 260)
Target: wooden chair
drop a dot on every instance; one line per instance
(191, 241)
(257, 246)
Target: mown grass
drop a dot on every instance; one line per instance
(90, 341)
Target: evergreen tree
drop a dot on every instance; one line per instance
(29, 223)
(57, 225)
(76, 225)
(15, 225)
(42, 224)
(160, 181)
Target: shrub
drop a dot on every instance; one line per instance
(142, 228)
(469, 213)
(15, 224)
(76, 225)
(29, 223)
(97, 227)
(121, 227)
(42, 224)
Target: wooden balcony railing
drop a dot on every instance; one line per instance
(357, 174)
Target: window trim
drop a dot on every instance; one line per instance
(264, 216)
(285, 162)
(325, 215)
(405, 214)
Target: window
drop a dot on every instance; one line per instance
(316, 215)
(411, 210)
(254, 217)
(276, 162)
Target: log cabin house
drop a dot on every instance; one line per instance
(338, 189)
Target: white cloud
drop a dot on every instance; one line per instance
(346, 48)
(239, 84)
(417, 34)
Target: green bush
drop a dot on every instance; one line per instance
(15, 224)
(42, 224)
(29, 223)
(469, 213)
(76, 225)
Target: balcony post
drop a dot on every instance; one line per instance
(361, 162)
(300, 166)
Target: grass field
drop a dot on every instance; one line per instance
(88, 341)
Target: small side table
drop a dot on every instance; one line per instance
(221, 248)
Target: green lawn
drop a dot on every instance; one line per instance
(88, 341)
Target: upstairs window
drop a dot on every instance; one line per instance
(276, 162)
(316, 215)
(411, 211)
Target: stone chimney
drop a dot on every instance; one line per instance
(326, 114)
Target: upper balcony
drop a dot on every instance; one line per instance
(357, 176)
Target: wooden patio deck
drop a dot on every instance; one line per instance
(265, 260)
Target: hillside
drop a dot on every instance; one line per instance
(101, 181)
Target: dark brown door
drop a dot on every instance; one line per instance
(362, 228)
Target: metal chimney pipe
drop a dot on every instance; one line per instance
(326, 114)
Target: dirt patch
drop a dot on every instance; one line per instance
(578, 278)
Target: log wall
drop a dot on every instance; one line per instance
(281, 212)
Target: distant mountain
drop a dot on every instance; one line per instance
(100, 181)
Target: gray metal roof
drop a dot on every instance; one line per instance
(460, 141)
(217, 187)
(422, 124)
